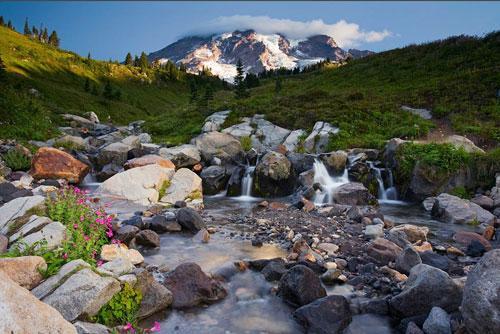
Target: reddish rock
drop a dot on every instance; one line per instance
(489, 232)
(383, 251)
(466, 238)
(149, 160)
(277, 206)
(281, 149)
(263, 204)
(197, 168)
(51, 163)
(308, 205)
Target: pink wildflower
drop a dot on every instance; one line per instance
(65, 256)
(116, 241)
(75, 226)
(98, 212)
(129, 327)
(76, 190)
(86, 237)
(109, 233)
(99, 263)
(156, 327)
(82, 218)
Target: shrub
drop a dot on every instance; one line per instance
(17, 160)
(461, 192)
(246, 143)
(121, 309)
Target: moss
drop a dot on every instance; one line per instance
(67, 145)
(461, 192)
(163, 188)
(16, 160)
(246, 143)
(197, 194)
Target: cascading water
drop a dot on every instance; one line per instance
(384, 193)
(247, 181)
(328, 183)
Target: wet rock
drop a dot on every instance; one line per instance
(383, 251)
(148, 238)
(190, 220)
(24, 270)
(354, 213)
(113, 251)
(126, 233)
(202, 236)
(300, 286)
(182, 156)
(190, 286)
(234, 182)
(160, 224)
(452, 209)
(16, 209)
(466, 238)
(184, 186)
(273, 176)
(413, 233)
(136, 221)
(353, 193)
(148, 159)
(475, 249)
(438, 322)
(432, 259)
(408, 259)
(219, 145)
(18, 305)
(425, 288)
(480, 305)
(82, 294)
(274, 270)
(335, 161)
(331, 276)
(155, 297)
(51, 163)
(328, 315)
(301, 162)
(412, 328)
(108, 171)
(428, 203)
(90, 328)
(214, 179)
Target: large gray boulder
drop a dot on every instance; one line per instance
(18, 208)
(219, 145)
(215, 121)
(82, 294)
(317, 141)
(269, 134)
(425, 288)
(214, 179)
(113, 153)
(182, 156)
(353, 193)
(155, 297)
(184, 186)
(453, 209)
(35, 223)
(24, 313)
(481, 302)
(293, 140)
(327, 315)
(274, 176)
(53, 234)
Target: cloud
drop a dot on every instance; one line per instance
(344, 33)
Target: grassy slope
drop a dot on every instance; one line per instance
(457, 78)
(60, 78)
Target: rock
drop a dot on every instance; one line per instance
(24, 313)
(182, 156)
(412, 328)
(485, 202)
(393, 274)
(160, 224)
(140, 185)
(269, 135)
(155, 297)
(301, 162)
(82, 294)
(318, 139)
(462, 142)
(51, 163)
(54, 233)
(148, 159)
(438, 322)
(413, 233)
(132, 141)
(119, 266)
(489, 232)
(383, 251)
(202, 236)
(190, 286)
(327, 315)
(50, 284)
(71, 142)
(214, 179)
(274, 270)
(4, 242)
(184, 186)
(116, 153)
(335, 161)
(353, 193)
(374, 231)
(113, 251)
(408, 259)
(219, 145)
(424, 113)
(300, 286)
(93, 118)
(24, 270)
(432, 259)
(475, 249)
(273, 176)
(466, 238)
(239, 130)
(90, 328)
(108, 171)
(190, 220)
(147, 238)
(126, 233)
(215, 121)
(425, 288)
(17, 209)
(292, 141)
(480, 305)
(4, 170)
(331, 276)
(330, 248)
(35, 223)
(82, 122)
(428, 203)
(452, 209)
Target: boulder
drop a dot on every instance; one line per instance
(453, 209)
(425, 288)
(90, 328)
(353, 193)
(184, 186)
(214, 179)
(234, 183)
(335, 161)
(51, 163)
(190, 220)
(118, 267)
(108, 171)
(116, 153)
(293, 140)
(413, 233)
(483, 201)
(327, 315)
(466, 238)
(160, 224)
(462, 142)
(147, 238)
(82, 294)
(126, 233)
(80, 121)
(72, 142)
(480, 304)
(16, 209)
(34, 224)
(300, 286)
(273, 176)
(155, 297)
(268, 134)
(318, 139)
(374, 231)
(182, 156)
(301, 162)
(148, 159)
(438, 322)
(428, 203)
(190, 286)
(24, 313)
(53, 233)
(24, 270)
(274, 270)
(239, 130)
(219, 145)
(215, 121)
(140, 185)
(113, 251)
(407, 259)
(383, 251)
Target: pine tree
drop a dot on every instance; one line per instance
(128, 60)
(108, 90)
(45, 36)
(241, 91)
(53, 39)
(136, 61)
(95, 91)
(277, 86)
(87, 85)
(3, 70)
(143, 61)
(88, 56)
(193, 91)
(27, 30)
(34, 32)
(9, 25)
(2, 22)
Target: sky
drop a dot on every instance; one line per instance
(108, 30)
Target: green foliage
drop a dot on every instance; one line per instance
(16, 160)
(241, 88)
(461, 192)
(121, 309)
(163, 189)
(246, 143)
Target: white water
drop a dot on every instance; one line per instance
(328, 182)
(389, 194)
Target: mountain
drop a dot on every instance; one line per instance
(258, 52)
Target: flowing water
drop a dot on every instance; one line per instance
(328, 183)
(385, 194)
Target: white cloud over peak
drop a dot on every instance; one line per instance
(344, 33)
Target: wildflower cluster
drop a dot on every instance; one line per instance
(88, 227)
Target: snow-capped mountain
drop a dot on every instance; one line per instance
(257, 52)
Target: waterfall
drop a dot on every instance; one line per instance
(328, 183)
(247, 181)
(384, 193)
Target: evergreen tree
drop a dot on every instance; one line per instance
(87, 85)
(182, 68)
(277, 86)
(27, 30)
(3, 70)
(128, 60)
(88, 56)
(45, 36)
(241, 91)
(9, 25)
(143, 61)
(95, 91)
(2, 22)
(53, 39)
(251, 80)
(108, 90)
(136, 61)
(193, 91)
(34, 32)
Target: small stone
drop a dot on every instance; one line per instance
(438, 322)
(202, 236)
(330, 248)
(454, 251)
(374, 231)
(148, 238)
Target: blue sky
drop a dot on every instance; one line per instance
(111, 29)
